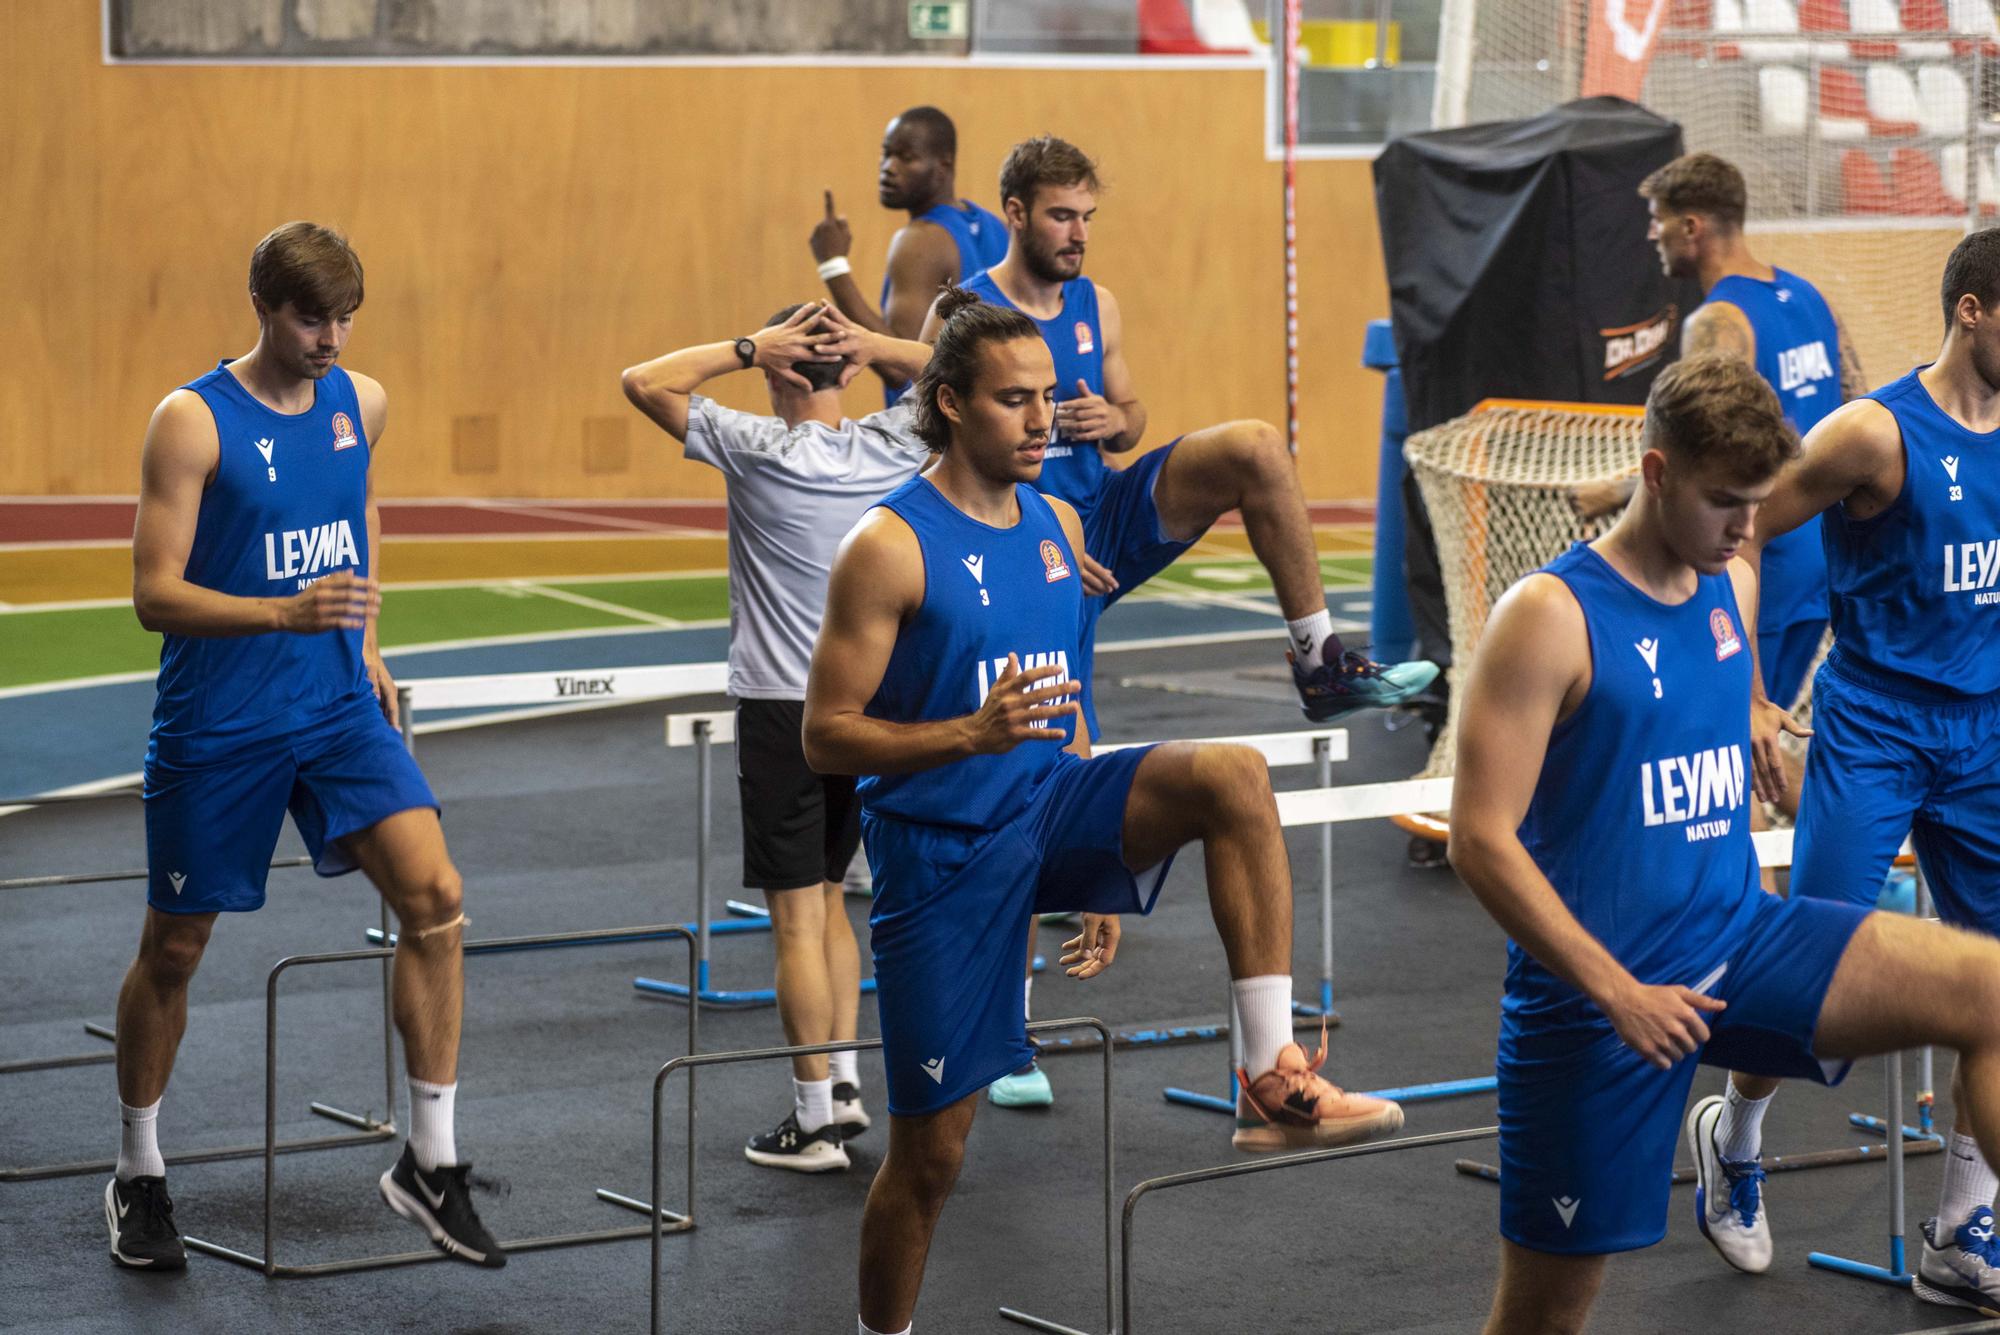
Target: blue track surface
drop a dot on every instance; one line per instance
(58, 739)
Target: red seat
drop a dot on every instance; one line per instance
(1166, 30)
(1694, 16)
(1916, 185)
(1863, 187)
(1823, 16)
(1842, 98)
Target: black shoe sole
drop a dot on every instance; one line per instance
(414, 1210)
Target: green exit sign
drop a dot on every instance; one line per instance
(938, 20)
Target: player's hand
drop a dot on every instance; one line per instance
(797, 339)
(842, 337)
(1767, 769)
(1593, 500)
(1023, 707)
(1097, 579)
(341, 601)
(1662, 1023)
(384, 684)
(1089, 416)
(830, 236)
(1090, 951)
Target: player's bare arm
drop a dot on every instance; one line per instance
(374, 401)
(922, 258)
(897, 360)
(1115, 420)
(1532, 670)
(1720, 328)
(877, 584)
(1853, 381)
(178, 462)
(662, 387)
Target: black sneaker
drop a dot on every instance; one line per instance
(848, 1114)
(141, 1219)
(440, 1203)
(786, 1146)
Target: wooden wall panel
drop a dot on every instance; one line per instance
(530, 231)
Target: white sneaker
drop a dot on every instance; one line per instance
(1728, 1196)
(787, 1146)
(1965, 1270)
(848, 1114)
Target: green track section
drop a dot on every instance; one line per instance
(38, 647)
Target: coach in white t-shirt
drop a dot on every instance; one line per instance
(798, 480)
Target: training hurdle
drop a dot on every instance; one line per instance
(268, 1262)
(662, 1221)
(371, 1129)
(1774, 849)
(1327, 807)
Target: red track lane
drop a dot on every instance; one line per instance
(111, 521)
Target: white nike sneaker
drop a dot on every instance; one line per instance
(1728, 1196)
(1964, 1270)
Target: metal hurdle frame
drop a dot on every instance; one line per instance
(267, 1262)
(368, 1128)
(1126, 1325)
(1326, 807)
(1774, 849)
(662, 1221)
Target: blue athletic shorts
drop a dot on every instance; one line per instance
(951, 914)
(1122, 531)
(1785, 655)
(1588, 1127)
(210, 830)
(1881, 766)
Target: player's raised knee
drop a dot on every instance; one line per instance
(1234, 779)
(173, 952)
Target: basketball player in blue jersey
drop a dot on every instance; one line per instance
(944, 676)
(1906, 709)
(254, 556)
(1600, 814)
(947, 239)
(1139, 520)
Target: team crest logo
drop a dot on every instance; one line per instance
(1724, 631)
(1084, 342)
(343, 432)
(1052, 561)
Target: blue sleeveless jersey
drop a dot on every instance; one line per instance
(1073, 470)
(988, 592)
(982, 243)
(1916, 589)
(287, 506)
(1641, 818)
(1798, 352)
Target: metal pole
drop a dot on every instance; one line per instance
(1973, 119)
(1288, 53)
(1323, 757)
(702, 735)
(1895, 1060)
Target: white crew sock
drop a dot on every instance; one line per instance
(1028, 997)
(1968, 1183)
(431, 1117)
(1739, 1134)
(1309, 637)
(1264, 1009)
(843, 1068)
(812, 1103)
(867, 1329)
(139, 1142)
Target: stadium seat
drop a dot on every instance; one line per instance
(1916, 186)
(1975, 16)
(1942, 101)
(1952, 160)
(1782, 99)
(1827, 16)
(1771, 16)
(1874, 16)
(1926, 16)
(1893, 109)
(1843, 105)
(1863, 187)
(1687, 16)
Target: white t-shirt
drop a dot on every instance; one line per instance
(794, 492)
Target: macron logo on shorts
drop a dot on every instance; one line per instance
(179, 878)
(1566, 1207)
(934, 1068)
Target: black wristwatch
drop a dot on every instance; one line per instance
(747, 350)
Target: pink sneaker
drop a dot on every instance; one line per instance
(1293, 1107)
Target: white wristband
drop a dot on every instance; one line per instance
(834, 268)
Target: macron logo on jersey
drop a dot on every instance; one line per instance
(1970, 567)
(1803, 365)
(308, 552)
(1691, 787)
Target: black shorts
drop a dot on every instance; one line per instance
(799, 828)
